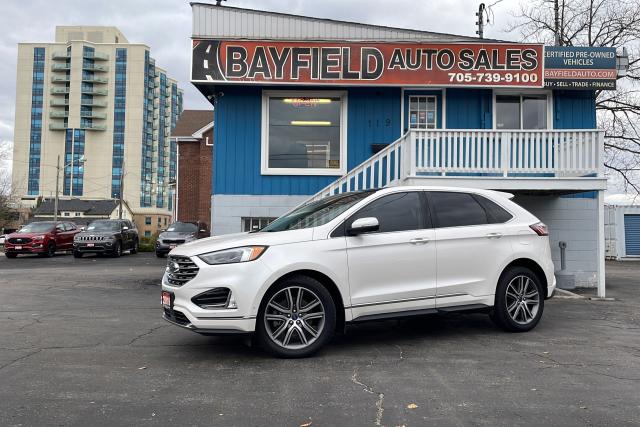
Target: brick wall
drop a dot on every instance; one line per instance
(194, 180)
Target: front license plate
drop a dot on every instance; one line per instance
(90, 245)
(18, 248)
(172, 246)
(166, 299)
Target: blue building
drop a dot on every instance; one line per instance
(307, 107)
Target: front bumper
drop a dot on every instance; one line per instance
(28, 248)
(246, 281)
(97, 247)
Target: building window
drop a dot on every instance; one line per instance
(521, 111)
(66, 214)
(147, 220)
(147, 233)
(422, 112)
(77, 214)
(253, 223)
(35, 136)
(117, 173)
(304, 133)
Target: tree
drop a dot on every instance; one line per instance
(599, 23)
(5, 184)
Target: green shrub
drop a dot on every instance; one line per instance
(148, 244)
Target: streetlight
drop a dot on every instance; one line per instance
(82, 159)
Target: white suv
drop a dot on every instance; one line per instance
(361, 256)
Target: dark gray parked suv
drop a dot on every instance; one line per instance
(107, 236)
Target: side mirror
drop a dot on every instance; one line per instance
(125, 228)
(203, 231)
(363, 225)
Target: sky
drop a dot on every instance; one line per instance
(165, 26)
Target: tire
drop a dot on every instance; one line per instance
(51, 250)
(519, 300)
(77, 254)
(10, 255)
(117, 250)
(134, 249)
(275, 327)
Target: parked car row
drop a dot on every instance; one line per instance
(106, 236)
(45, 238)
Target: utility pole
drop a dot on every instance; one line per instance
(556, 14)
(480, 22)
(55, 203)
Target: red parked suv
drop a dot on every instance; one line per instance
(42, 238)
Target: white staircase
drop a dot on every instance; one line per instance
(540, 159)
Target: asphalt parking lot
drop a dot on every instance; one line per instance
(82, 343)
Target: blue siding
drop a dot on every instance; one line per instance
(373, 118)
(574, 109)
(469, 108)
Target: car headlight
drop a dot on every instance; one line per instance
(231, 256)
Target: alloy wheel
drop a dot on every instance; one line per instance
(523, 299)
(294, 318)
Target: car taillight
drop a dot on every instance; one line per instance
(540, 228)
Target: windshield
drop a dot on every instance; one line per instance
(183, 227)
(316, 213)
(36, 227)
(104, 226)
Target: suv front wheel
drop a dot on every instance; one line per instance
(519, 300)
(296, 318)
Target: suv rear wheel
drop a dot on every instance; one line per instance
(134, 249)
(519, 300)
(117, 249)
(296, 318)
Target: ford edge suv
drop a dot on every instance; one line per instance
(43, 238)
(362, 256)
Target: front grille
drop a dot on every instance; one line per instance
(173, 241)
(180, 269)
(176, 316)
(19, 240)
(92, 238)
(213, 298)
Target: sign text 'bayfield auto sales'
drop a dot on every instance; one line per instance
(465, 64)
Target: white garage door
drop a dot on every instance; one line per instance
(632, 235)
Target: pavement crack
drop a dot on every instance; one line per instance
(368, 389)
(20, 358)
(144, 334)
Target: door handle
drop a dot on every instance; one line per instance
(494, 235)
(419, 241)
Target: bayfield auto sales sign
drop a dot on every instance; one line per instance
(388, 64)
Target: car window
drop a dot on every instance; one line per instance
(395, 212)
(68, 226)
(496, 213)
(453, 209)
(59, 227)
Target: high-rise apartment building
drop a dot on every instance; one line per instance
(102, 105)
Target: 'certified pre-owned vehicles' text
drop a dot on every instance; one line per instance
(361, 256)
(107, 236)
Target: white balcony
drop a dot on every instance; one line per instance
(537, 160)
